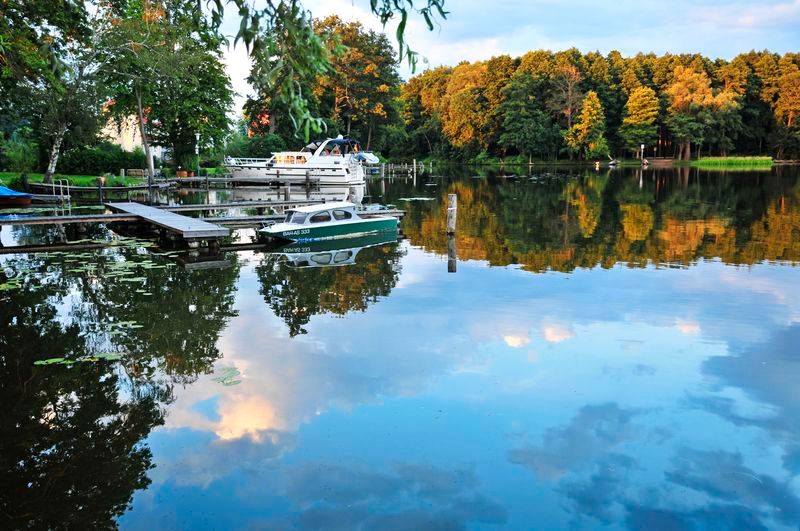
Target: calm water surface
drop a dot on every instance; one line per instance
(615, 350)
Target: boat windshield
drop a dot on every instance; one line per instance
(296, 217)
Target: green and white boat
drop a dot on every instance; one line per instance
(327, 221)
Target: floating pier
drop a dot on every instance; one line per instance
(188, 228)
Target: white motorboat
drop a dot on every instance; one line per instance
(331, 162)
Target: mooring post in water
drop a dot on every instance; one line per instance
(100, 188)
(452, 205)
(308, 184)
(451, 253)
(287, 191)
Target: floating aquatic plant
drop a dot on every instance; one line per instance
(102, 356)
(227, 376)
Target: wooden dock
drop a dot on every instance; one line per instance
(188, 228)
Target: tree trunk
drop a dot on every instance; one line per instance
(428, 140)
(55, 150)
(145, 141)
(369, 135)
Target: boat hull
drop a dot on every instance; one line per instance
(321, 176)
(332, 231)
(15, 201)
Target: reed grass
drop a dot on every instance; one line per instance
(733, 162)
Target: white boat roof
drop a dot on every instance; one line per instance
(324, 206)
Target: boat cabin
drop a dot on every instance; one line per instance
(333, 147)
(324, 213)
(290, 158)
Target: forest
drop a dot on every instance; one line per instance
(71, 74)
(555, 105)
(570, 104)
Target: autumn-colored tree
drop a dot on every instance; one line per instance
(788, 104)
(690, 94)
(463, 108)
(587, 136)
(420, 99)
(638, 126)
(360, 91)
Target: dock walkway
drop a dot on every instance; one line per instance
(189, 228)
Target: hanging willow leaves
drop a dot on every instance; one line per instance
(282, 43)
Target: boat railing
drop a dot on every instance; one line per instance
(241, 161)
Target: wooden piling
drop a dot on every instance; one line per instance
(452, 206)
(452, 258)
(287, 192)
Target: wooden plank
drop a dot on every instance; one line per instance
(187, 227)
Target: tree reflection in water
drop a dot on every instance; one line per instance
(72, 449)
(296, 292)
(566, 222)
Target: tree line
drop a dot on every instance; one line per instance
(546, 105)
(67, 67)
(570, 104)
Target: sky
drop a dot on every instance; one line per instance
(480, 29)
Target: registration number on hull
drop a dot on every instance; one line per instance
(298, 232)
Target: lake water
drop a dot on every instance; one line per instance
(615, 349)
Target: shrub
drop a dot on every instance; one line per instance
(19, 153)
(102, 158)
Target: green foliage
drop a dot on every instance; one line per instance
(100, 159)
(526, 126)
(678, 104)
(19, 152)
(587, 135)
(733, 162)
(165, 68)
(287, 51)
(638, 125)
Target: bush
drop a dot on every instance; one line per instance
(19, 153)
(103, 158)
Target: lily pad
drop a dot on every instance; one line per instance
(50, 361)
(227, 376)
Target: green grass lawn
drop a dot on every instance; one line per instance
(74, 180)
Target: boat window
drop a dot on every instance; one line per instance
(342, 256)
(342, 214)
(322, 258)
(320, 217)
(296, 217)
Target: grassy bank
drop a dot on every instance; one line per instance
(733, 162)
(9, 177)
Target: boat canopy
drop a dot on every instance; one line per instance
(345, 145)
